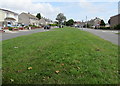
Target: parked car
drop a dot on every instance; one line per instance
(61, 26)
(47, 27)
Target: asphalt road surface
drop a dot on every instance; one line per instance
(13, 34)
(105, 34)
(109, 35)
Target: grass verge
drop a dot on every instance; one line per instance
(63, 56)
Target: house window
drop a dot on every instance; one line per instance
(9, 22)
(7, 14)
(15, 15)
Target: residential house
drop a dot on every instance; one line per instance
(49, 21)
(28, 19)
(107, 25)
(8, 18)
(114, 20)
(42, 21)
(45, 21)
(94, 22)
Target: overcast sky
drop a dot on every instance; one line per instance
(72, 9)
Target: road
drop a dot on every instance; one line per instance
(109, 35)
(9, 35)
(105, 34)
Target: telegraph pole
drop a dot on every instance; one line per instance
(82, 24)
(86, 21)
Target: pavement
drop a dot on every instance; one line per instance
(13, 34)
(109, 35)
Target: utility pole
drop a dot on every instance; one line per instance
(82, 24)
(86, 21)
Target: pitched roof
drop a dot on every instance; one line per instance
(115, 15)
(9, 11)
(9, 18)
(30, 15)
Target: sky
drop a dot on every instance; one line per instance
(72, 9)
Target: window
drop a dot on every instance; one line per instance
(9, 22)
(7, 14)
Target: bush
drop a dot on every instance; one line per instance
(10, 28)
(104, 28)
(26, 26)
(53, 24)
(33, 25)
(117, 27)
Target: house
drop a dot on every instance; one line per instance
(94, 22)
(45, 21)
(107, 25)
(77, 24)
(48, 21)
(28, 19)
(42, 21)
(8, 18)
(114, 20)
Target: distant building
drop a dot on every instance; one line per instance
(8, 18)
(107, 25)
(45, 21)
(77, 23)
(114, 20)
(42, 21)
(28, 19)
(94, 22)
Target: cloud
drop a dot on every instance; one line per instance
(102, 10)
(46, 9)
(76, 10)
(92, 8)
(75, 0)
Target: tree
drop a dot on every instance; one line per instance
(56, 22)
(38, 16)
(117, 27)
(102, 23)
(109, 21)
(60, 18)
(70, 22)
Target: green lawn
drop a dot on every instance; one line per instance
(63, 56)
(118, 33)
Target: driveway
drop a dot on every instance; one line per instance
(13, 34)
(109, 35)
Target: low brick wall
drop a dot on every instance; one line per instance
(5, 28)
(15, 30)
(21, 28)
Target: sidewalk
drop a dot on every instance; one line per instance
(109, 35)
(11, 34)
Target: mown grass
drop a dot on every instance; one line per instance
(118, 33)
(63, 56)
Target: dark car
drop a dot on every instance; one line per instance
(47, 27)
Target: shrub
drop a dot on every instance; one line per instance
(33, 25)
(117, 27)
(26, 26)
(10, 28)
(53, 24)
(104, 28)
(30, 25)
